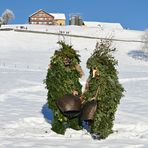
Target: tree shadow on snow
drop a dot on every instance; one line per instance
(138, 55)
(47, 113)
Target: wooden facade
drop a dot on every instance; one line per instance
(60, 22)
(43, 18)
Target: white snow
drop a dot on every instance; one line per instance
(103, 25)
(110, 33)
(57, 16)
(24, 58)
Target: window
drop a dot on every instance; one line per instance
(41, 23)
(41, 18)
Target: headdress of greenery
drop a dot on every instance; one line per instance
(110, 90)
(62, 80)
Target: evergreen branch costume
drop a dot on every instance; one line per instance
(63, 78)
(103, 77)
(102, 86)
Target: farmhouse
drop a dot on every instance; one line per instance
(43, 18)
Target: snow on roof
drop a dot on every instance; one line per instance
(103, 25)
(58, 16)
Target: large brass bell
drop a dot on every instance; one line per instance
(69, 105)
(88, 111)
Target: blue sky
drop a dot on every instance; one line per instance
(132, 14)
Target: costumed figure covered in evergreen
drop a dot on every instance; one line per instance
(63, 79)
(103, 87)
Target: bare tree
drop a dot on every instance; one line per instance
(145, 40)
(7, 16)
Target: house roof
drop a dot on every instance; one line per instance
(58, 16)
(103, 25)
(55, 15)
(37, 12)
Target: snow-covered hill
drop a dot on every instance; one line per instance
(24, 58)
(120, 34)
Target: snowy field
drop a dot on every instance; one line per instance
(24, 58)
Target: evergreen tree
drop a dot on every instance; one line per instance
(103, 77)
(63, 78)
